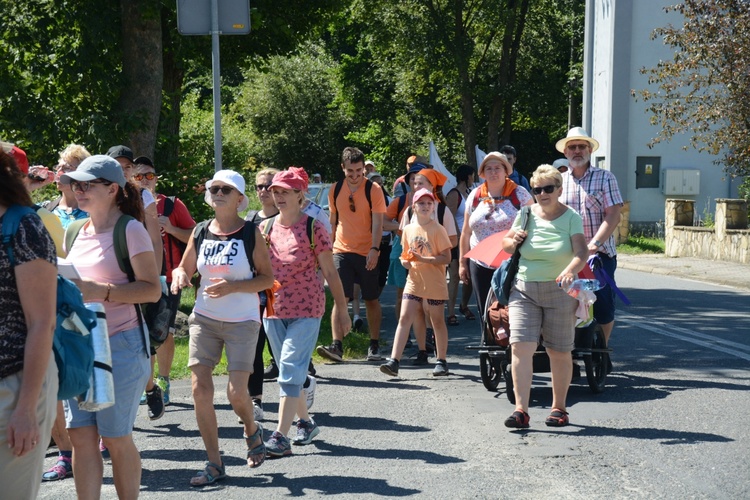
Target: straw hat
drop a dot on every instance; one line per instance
(577, 134)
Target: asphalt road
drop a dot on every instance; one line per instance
(672, 422)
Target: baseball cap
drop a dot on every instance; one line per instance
(96, 167)
(120, 152)
(422, 193)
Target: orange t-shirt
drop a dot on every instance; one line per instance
(426, 280)
(354, 229)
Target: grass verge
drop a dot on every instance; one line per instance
(639, 244)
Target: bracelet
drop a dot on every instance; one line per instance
(377, 249)
(109, 289)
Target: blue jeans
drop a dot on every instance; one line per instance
(604, 307)
(292, 342)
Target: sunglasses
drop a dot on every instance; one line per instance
(225, 190)
(547, 189)
(351, 203)
(149, 176)
(84, 186)
(262, 187)
(580, 147)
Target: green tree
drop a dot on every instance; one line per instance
(703, 91)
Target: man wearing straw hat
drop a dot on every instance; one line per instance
(594, 193)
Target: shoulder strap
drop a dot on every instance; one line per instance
(252, 215)
(440, 213)
(401, 203)
(477, 196)
(121, 246)
(336, 191)
(311, 232)
(248, 239)
(267, 226)
(525, 216)
(514, 199)
(71, 232)
(52, 204)
(368, 191)
(168, 206)
(11, 221)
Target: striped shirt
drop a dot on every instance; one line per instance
(590, 196)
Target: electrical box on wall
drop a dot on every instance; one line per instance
(683, 181)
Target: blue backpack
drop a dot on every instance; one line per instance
(72, 344)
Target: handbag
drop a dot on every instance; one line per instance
(505, 275)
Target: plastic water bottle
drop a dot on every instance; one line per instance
(579, 285)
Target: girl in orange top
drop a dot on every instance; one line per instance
(426, 253)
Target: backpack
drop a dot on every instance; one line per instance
(368, 190)
(513, 199)
(72, 344)
(155, 315)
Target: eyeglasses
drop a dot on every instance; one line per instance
(351, 203)
(225, 190)
(579, 147)
(149, 176)
(84, 186)
(547, 189)
(262, 187)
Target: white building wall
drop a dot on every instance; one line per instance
(620, 47)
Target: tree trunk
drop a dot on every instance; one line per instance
(174, 76)
(139, 107)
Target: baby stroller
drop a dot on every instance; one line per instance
(495, 354)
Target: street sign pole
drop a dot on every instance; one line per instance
(216, 65)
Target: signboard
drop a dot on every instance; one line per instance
(194, 17)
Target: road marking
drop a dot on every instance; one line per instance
(741, 351)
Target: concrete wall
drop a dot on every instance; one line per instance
(618, 45)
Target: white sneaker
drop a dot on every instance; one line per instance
(258, 410)
(310, 392)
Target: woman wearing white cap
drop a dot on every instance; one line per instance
(234, 266)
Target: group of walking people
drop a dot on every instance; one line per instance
(262, 279)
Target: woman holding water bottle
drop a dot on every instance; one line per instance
(553, 251)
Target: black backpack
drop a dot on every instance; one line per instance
(368, 195)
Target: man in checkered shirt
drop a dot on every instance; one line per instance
(594, 194)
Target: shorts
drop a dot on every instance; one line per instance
(209, 336)
(351, 267)
(604, 307)
(396, 272)
(292, 342)
(542, 306)
(431, 302)
(131, 370)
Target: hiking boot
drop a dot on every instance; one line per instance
(421, 359)
(390, 367)
(441, 368)
(155, 402)
(163, 384)
(271, 371)
(331, 352)
(278, 445)
(373, 353)
(306, 431)
(310, 392)
(63, 468)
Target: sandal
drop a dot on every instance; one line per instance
(558, 418)
(467, 313)
(519, 420)
(257, 451)
(451, 320)
(209, 478)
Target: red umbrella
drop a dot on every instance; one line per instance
(490, 250)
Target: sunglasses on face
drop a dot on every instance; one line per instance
(84, 186)
(225, 190)
(547, 189)
(149, 176)
(262, 187)
(351, 203)
(579, 147)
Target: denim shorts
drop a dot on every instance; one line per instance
(292, 342)
(131, 370)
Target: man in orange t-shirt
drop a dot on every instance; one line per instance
(357, 226)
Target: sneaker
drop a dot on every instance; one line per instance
(421, 359)
(390, 367)
(373, 353)
(163, 384)
(104, 451)
(441, 368)
(278, 445)
(331, 352)
(258, 410)
(357, 323)
(143, 398)
(311, 369)
(271, 371)
(310, 392)
(155, 402)
(306, 431)
(64, 468)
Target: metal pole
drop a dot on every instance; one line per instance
(217, 84)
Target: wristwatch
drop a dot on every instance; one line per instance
(377, 249)
(598, 243)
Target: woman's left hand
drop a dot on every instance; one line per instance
(23, 432)
(219, 288)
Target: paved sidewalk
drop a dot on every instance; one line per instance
(710, 271)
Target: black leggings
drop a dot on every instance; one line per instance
(481, 281)
(255, 383)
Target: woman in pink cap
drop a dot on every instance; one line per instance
(299, 303)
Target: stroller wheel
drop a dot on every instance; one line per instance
(596, 363)
(489, 369)
(508, 376)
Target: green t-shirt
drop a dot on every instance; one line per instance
(547, 248)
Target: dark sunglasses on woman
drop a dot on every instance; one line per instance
(149, 176)
(547, 189)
